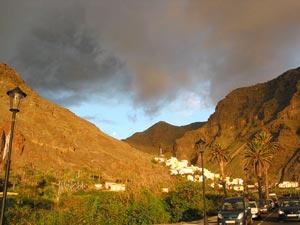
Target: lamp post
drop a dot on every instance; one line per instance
(16, 95)
(199, 146)
(246, 179)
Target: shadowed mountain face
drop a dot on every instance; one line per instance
(49, 137)
(274, 105)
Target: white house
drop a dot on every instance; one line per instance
(159, 159)
(190, 177)
(172, 162)
(112, 186)
(186, 170)
(98, 186)
(117, 187)
(288, 184)
(174, 171)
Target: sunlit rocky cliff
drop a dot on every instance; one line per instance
(49, 137)
(273, 105)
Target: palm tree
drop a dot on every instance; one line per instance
(258, 156)
(271, 146)
(219, 154)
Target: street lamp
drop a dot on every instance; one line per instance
(246, 179)
(16, 95)
(199, 147)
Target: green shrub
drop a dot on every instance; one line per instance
(147, 209)
(185, 204)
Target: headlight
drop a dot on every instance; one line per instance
(241, 216)
(220, 216)
(280, 212)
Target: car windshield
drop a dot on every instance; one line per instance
(228, 206)
(252, 204)
(290, 203)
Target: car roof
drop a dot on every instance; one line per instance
(252, 202)
(290, 199)
(234, 199)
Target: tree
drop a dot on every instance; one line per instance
(219, 154)
(258, 156)
(271, 146)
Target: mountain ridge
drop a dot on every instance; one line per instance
(159, 138)
(273, 105)
(49, 137)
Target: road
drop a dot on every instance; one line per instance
(266, 219)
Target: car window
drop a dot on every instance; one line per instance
(290, 203)
(239, 205)
(285, 204)
(294, 203)
(227, 206)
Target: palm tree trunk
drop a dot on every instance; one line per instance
(259, 187)
(224, 188)
(258, 171)
(223, 178)
(267, 182)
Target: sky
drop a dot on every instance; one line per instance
(125, 65)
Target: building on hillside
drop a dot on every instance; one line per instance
(190, 178)
(165, 190)
(186, 170)
(237, 187)
(288, 184)
(194, 173)
(159, 159)
(112, 186)
(98, 186)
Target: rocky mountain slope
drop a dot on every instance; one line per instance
(49, 137)
(160, 138)
(273, 105)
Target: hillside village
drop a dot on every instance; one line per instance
(194, 173)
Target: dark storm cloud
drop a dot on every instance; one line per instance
(62, 59)
(151, 51)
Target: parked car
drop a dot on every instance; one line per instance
(289, 209)
(235, 210)
(265, 205)
(255, 211)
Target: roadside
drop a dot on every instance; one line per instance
(211, 221)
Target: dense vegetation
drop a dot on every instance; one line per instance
(46, 200)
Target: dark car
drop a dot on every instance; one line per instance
(235, 210)
(289, 209)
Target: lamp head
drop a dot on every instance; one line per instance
(16, 95)
(199, 144)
